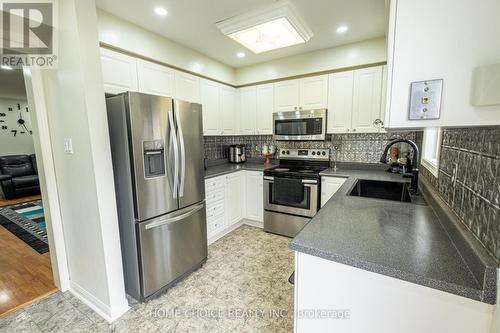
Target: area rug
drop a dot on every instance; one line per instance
(27, 222)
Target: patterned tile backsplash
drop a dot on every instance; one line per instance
(469, 181)
(361, 148)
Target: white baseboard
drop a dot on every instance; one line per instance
(95, 304)
(253, 223)
(233, 227)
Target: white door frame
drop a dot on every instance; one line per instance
(35, 92)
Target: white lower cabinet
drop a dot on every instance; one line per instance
(232, 197)
(254, 196)
(215, 194)
(329, 186)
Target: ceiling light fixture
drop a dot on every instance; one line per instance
(160, 11)
(342, 29)
(241, 54)
(6, 67)
(267, 29)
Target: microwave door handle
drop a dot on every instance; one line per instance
(183, 153)
(173, 142)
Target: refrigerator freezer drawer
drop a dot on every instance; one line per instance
(171, 246)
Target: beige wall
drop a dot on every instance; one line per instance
(361, 53)
(128, 36)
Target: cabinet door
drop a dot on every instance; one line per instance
(254, 196)
(119, 72)
(286, 95)
(187, 87)
(234, 197)
(366, 99)
(340, 88)
(265, 108)
(228, 110)
(313, 92)
(248, 110)
(210, 107)
(383, 103)
(155, 79)
(329, 186)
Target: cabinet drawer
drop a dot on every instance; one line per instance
(214, 196)
(215, 210)
(214, 183)
(215, 224)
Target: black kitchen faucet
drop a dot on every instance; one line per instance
(414, 164)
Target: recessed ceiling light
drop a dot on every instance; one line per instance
(241, 54)
(160, 11)
(342, 29)
(268, 28)
(6, 67)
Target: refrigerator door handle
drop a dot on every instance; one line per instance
(171, 220)
(173, 140)
(183, 153)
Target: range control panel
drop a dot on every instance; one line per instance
(306, 154)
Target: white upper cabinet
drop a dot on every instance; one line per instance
(155, 79)
(355, 101)
(265, 108)
(248, 110)
(301, 94)
(210, 101)
(367, 99)
(228, 110)
(340, 88)
(286, 95)
(313, 92)
(187, 87)
(119, 72)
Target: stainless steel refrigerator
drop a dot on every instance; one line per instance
(157, 151)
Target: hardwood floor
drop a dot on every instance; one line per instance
(4, 202)
(25, 275)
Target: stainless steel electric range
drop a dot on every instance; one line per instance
(292, 190)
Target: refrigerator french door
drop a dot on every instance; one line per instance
(156, 145)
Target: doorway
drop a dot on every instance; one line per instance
(26, 269)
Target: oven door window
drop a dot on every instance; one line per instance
(305, 203)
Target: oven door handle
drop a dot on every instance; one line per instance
(304, 181)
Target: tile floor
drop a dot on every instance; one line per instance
(242, 288)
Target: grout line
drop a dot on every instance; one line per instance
(474, 152)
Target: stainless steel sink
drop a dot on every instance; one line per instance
(395, 191)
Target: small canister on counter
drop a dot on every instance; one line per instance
(237, 154)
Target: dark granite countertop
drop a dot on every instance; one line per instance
(225, 168)
(401, 240)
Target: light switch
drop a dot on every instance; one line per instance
(68, 145)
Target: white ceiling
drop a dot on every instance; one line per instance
(12, 84)
(192, 23)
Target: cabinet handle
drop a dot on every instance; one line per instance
(295, 108)
(300, 107)
(354, 130)
(348, 130)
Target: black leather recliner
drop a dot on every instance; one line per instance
(19, 176)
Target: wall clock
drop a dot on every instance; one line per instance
(14, 121)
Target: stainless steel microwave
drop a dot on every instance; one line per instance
(300, 125)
